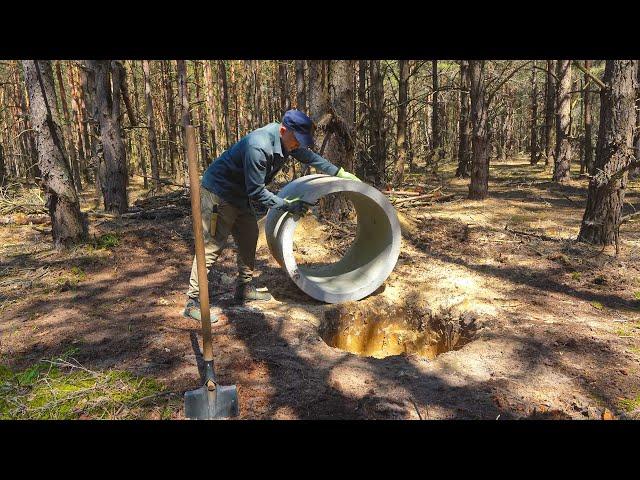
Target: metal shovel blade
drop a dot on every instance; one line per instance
(205, 404)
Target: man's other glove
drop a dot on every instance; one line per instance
(296, 206)
(346, 175)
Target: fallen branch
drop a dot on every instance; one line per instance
(166, 182)
(628, 217)
(424, 199)
(342, 229)
(529, 234)
(400, 192)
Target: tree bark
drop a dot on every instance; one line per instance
(549, 109)
(331, 102)
(377, 131)
(614, 154)
(479, 186)
(587, 163)
(436, 143)
(112, 168)
(464, 148)
(171, 118)
(257, 88)
(222, 70)
(211, 106)
(3, 168)
(401, 133)
(636, 142)
(202, 135)
(87, 89)
(185, 116)
(534, 116)
(285, 101)
(301, 98)
(76, 109)
(151, 127)
(68, 132)
(68, 224)
(561, 172)
(135, 138)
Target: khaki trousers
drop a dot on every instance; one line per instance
(241, 223)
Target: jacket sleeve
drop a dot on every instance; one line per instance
(311, 158)
(254, 163)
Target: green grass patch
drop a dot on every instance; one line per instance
(621, 332)
(520, 219)
(61, 389)
(106, 241)
(636, 295)
(70, 280)
(635, 350)
(576, 275)
(630, 404)
(597, 305)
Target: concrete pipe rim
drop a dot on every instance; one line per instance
(319, 186)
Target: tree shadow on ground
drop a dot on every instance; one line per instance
(303, 384)
(520, 275)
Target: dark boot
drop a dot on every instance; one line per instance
(246, 292)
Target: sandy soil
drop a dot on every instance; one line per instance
(558, 323)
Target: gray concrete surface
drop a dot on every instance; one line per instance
(368, 261)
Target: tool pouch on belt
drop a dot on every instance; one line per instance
(214, 221)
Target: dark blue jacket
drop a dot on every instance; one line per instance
(242, 172)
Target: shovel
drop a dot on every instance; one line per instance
(210, 401)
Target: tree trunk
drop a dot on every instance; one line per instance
(92, 126)
(3, 169)
(68, 224)
(24, 130)
(211, 106)
(331, 102)
(86, 94)
(534, 116)
(171, 118)
(68, 132)
(614, 154)
(436, 143)
(222, 70)
(401, 134)
(77, 120)
(636, 142)
(377, 131)
(249, 92)
(112, 169)
(587, 163)
(151, 127)
(301, 98)
(285, 102)
(135, 137)
(549, 109)
(202, 135)
(233, 94)
(257, 88)
(561, 172)
(464, 148)
(479, 186)
(185, 116)
(362, 130)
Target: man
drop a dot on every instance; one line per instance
(238, 176)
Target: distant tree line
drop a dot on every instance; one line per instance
(72, 125)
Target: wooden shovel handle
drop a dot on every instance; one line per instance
(194, 182)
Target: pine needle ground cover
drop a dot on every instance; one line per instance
(62, 389)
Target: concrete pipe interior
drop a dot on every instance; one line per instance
(367, 262)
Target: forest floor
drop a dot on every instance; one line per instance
(552, 326)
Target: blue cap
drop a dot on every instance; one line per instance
(301, 126)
